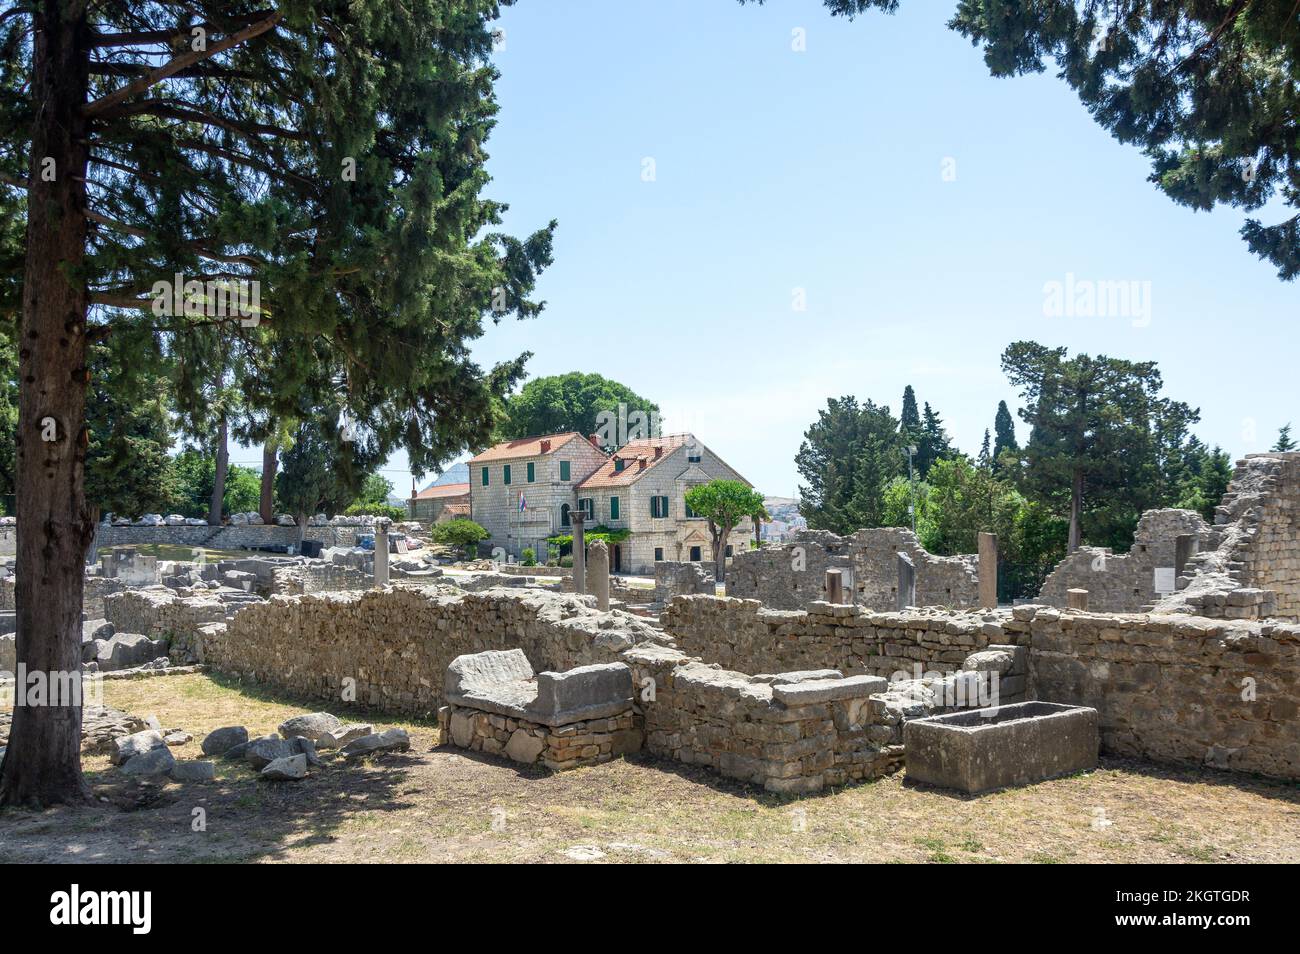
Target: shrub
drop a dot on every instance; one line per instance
(529, 556)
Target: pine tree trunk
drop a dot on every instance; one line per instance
(1076, 506)
(43, 762)
(266, 506)
(219, 479)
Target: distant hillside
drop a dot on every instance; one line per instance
(455, 474)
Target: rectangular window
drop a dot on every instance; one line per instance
(618, 465)
(588, 506)
(613, 508)
(532, 475)
(690, 514)
(565, 521)
(505, 474)
(659, 554)
(485, 479)
(564, 470)
(695, 554)
(693, 458)
(658, 506)
(728, 549)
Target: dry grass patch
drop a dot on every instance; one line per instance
(442, 804)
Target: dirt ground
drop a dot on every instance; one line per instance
(440, 804)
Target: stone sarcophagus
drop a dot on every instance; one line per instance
(999, 747)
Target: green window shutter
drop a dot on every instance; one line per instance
(564, 470)
(485, 477)
(613, 508)
(531, 473)
(505, 474)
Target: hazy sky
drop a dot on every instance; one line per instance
(919, 207)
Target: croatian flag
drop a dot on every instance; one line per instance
(523, 504)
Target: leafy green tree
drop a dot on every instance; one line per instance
(964, 500)
(128, 418)
(1102, 443)
(1206, 89)
(328, 157)
(723, 504)
(324, 468)
(899, 496)
(460, 532)
(847, 458)
(193, 476)
(586, 403)
(1284, 441)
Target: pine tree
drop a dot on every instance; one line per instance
(910, 420)
(933, 443)
(985, 459)
(1284, 441)
(326, 156)
(847, 459)
(1004, 430)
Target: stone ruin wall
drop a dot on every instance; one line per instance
(397, 643)
(1125, 583)
(793, 575)
(320, 578)
(1173, 688)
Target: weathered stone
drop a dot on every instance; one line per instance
(193, 771)
(313, 726)
(157, 761)
(524, 747)
(286, 768)
(127, 747)
(220, 741)
(391, 740)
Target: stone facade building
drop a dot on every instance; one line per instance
(521, 491)
(642, 488)
(439, 503)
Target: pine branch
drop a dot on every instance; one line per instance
(176, 64)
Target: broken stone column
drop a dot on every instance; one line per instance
(598, 573)
(577, 517)
(906, 581)
(381, 553)
(988, 570)
(1186, 546)
(834, 586)
(1076, 599)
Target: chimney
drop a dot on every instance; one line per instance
(658, 451)
(640, 463)
(595, 441)
(546, 447)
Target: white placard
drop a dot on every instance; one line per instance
(1165, 577)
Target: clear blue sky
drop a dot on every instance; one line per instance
(822, 170)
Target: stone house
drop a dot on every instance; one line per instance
(439, 503)
(521, 491)
(642, 487)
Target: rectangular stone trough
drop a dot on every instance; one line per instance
(1003, 746)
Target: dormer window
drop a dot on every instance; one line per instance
(618, 465)
(693, 458)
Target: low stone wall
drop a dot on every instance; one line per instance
(160, 613)
(228, 537)
(390, 648)
(1168, 687)
(1174, 688)
(796, 736)
(318, 577)
(556, 747)
(742, 634)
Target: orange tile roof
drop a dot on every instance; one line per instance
(457, 507)
(442, 490)
(606, 476)
(524, 447)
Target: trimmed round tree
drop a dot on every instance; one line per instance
(723, 504)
